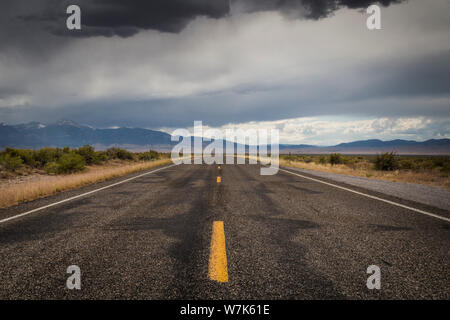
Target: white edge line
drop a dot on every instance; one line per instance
(82, 195)
(370, 196)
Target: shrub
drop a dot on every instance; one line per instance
(148, 156)
(427, 164)
(144, 156)
(446, 167)
(386, 161)
(322, 160)
(335, 158)
(349, 161)
(70, 162)
(11, 163)
(154, 155)
(27, 156)
(88, 153)
(46, 155)
(407, 164)
(102, 156)
(52, 168)
(439, 162)
(117, 153)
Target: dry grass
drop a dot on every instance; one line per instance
(15, 192)
(428, 177)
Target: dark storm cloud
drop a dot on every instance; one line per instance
(126, 18)
(169, 79)
(123, 18)
(311, 9)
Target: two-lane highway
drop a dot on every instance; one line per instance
(284, 237)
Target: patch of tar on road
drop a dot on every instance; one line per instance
(281, 268)
(381, 228)
(189, 210)
(38, 226)
(305, 190)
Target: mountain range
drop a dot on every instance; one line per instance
(36, 135)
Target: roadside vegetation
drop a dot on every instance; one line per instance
(29, 174)
(431, 170)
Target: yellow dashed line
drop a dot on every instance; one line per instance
(218, 269)
(219, 179)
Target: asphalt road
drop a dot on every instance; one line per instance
(286, 238)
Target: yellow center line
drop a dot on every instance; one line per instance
(218, 270)
(219, 179)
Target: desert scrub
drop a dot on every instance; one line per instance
(70, 163)
(67, 163)
(11, 163)
(44, 185)
(89, 155)
(118, 153)
(429, 170)
(335, 158)
(386, 162)
(322, 160)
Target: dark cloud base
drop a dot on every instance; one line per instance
(126, 18)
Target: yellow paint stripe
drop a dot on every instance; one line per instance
(218, 270)
(219, 179)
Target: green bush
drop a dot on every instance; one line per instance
(66, 160)
(446, 168)
(52, 168)
(335, 158)
(144, 156)
(407, 164)
(322, 160)
(46, 155)
(27, 156)
(102, 156)
(154, 155)
(118, 153)
(89, 155)
(11, 163)
(439, 162)
(70, 163)
(148, 156)
(349, 161)
(386, 161)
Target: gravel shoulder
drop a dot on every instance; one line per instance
(428, 195)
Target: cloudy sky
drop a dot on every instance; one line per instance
(309, 68)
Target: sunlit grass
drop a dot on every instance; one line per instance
(44, 185)
(428, 177)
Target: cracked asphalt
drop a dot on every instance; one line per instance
(286, 238)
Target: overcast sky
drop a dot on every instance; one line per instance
(310, 68)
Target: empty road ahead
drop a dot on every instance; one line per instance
(286, 237)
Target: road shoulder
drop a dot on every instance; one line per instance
(428, 195)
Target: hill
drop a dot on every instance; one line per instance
(34, 135)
